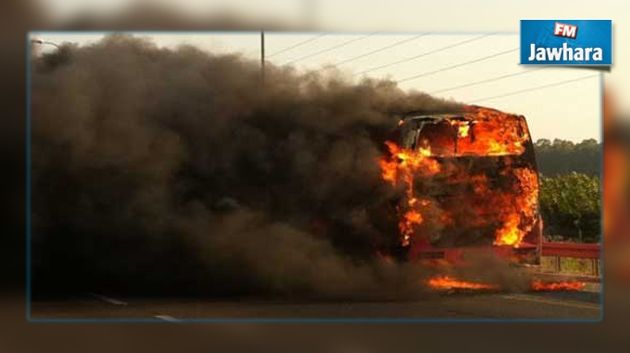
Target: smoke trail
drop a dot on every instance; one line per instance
(177, 171)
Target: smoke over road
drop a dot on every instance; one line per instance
(176, 171)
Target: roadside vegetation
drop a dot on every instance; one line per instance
(570, 191)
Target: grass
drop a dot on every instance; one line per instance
(569, 265)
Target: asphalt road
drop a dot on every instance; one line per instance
(467, 306)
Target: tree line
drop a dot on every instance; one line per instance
(562, 157)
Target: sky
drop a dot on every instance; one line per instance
(478, 68)
(396, 15)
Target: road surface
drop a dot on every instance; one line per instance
(558, 306)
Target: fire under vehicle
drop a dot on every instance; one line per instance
(468, 181)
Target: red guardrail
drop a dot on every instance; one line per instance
(578, 250)
(590, 252)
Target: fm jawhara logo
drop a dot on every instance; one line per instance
(566, 42)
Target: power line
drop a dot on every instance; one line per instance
(534, 88)
(488, 80)
(424, 54)
(329, 49)
(297, 45)
(381, 49)
(457, 65)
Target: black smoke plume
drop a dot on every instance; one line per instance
(179, 172)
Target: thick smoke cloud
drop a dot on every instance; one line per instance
(178, 171)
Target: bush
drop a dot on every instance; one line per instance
(571, 206)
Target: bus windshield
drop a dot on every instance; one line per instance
(496, 136)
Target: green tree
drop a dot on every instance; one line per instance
(571, 206)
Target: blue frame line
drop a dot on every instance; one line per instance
(28, 178)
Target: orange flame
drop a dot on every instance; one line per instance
(479, 132)
(407, 164)
(540, 286)
(444, 282)
(524, 202)
(496, 133)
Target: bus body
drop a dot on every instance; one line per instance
(485, 195)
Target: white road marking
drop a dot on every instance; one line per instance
(166, 318)
(551, 301)
(108, 300)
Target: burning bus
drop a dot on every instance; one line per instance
(467, 180)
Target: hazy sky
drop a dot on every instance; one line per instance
(399, 15)
(558, 102)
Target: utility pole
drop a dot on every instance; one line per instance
(262, 57)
